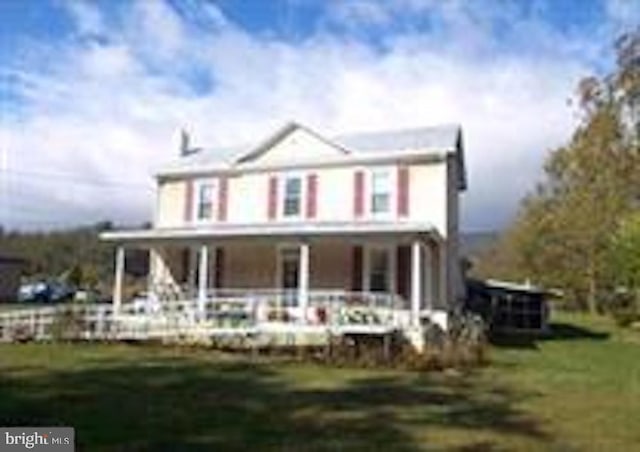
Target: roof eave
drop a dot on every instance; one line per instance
(261, 231)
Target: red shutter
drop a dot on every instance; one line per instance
(188, 201)
(312, 193)
(356, 269)
(219, 273)
(403, 191)
(222, 199)
(358, 194)
(272, 203)
(403, 271)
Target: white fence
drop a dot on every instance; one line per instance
(90, 321)
(226, 312)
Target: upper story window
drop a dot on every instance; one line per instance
(292, 199)
(380, 192)
(204, 196)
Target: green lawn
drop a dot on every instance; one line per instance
(579, 390)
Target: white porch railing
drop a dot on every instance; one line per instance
(90, 322)
(224, 312)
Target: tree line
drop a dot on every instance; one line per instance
(578, 231)
(75, 255)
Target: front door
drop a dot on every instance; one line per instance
(379, 270)
(289, 272)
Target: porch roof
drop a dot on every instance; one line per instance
(272, 230)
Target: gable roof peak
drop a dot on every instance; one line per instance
(279, 135)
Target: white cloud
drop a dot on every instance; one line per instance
(157, 29)
(109, 109)
(87, 17)
(626, 13)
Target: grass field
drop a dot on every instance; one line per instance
(578, 390)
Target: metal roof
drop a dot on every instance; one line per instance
(436, 138)
(443, 138)
(222, 157)
(512, 286)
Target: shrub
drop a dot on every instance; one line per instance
(21, 333)
(463, 345)
(623, 307)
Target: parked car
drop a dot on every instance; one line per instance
(45, 292)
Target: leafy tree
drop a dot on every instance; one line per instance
(625, 255)
(562, 235)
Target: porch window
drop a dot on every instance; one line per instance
(380, 191)
(292, 196)
(204, 200)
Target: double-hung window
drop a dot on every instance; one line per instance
(380, 192)
(204, 200)
(292, 200)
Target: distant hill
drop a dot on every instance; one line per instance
(53, 254)
(474, 243)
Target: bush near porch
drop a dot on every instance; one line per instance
(577, 390)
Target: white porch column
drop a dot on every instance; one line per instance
(118, 280)
(416, 282)
(203, 269)
(303, 281)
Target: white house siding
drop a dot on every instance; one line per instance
(428, 194)
(170, 208)
(254, 265)
(335, 194)
(248, 196)
(298, 146)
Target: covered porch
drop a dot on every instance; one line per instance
(231, 277)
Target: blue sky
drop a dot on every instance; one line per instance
(88, 85)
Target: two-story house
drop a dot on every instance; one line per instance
(307, 216)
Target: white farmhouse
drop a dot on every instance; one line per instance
(369, 218)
